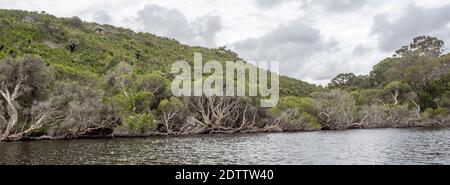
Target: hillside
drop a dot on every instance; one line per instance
(96, 49)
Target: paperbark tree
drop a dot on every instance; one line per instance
(19, 78)
(171, 109)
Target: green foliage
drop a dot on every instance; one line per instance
(367, 96)
(292, 102)
(140, 122)
(397, 86)
(349, 81)
(63, 72)
(436, 93)
(143, 100)
(377, 75)
(432, 113)
(122, 104)
(154, 83)
(29, 71)
(311, 122)
(74, 22)
(70, 42)
(294, 87)
(171, 104)
(424, 45)
(342, 81)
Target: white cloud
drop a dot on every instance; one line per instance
(291, 44)
(103, 17)
(415, 21)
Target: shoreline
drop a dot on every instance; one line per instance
(157, 134)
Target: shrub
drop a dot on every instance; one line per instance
(430, 112)
(122, 104)
(336, 109)
(310, 122)
(143, 100)
(140, 122)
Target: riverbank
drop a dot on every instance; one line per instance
(158, 134)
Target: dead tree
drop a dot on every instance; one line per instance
(43, 114)
(336, 109)
(216, 114)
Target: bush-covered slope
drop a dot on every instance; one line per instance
(94, 48)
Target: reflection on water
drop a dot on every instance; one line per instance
(376, 146)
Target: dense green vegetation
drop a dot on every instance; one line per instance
(63, 78)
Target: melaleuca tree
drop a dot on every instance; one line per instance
(22, 82)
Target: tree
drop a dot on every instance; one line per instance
(361, 82)
(140, 122)
(172, 109)
(122, 104)
(414, 64)
(423, 45)
(81, 111)
(215, 114)
(293, 102)
(395, 89)
(416, 70)
(75, 22)
(377, 75)
(343, 80)
(427, 45)
(436, 93)
(120, 79)
(153, 83)
(144, 91)
(143, 101)
(336, 109)
(74, 40)
(73, 44)
(382, 116)
(294, 113)
(368, 96)
(19, 78)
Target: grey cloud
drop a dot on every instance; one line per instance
(290, 44)
(173, 23)
(335, 5)
(162, 21)
(269, 3)
(102, 17)
(325, 70)
(361, 50)
(206, 28)
(414, 22)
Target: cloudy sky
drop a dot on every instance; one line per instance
(312, 39)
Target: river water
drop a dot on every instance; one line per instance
(374, 146)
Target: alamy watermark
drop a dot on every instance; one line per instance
(235, 79)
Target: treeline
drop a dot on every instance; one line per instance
(62, 78)
(415, 80)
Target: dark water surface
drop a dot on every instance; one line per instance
(375, 146)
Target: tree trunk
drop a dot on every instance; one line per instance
(13, 118)
(395, 95)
